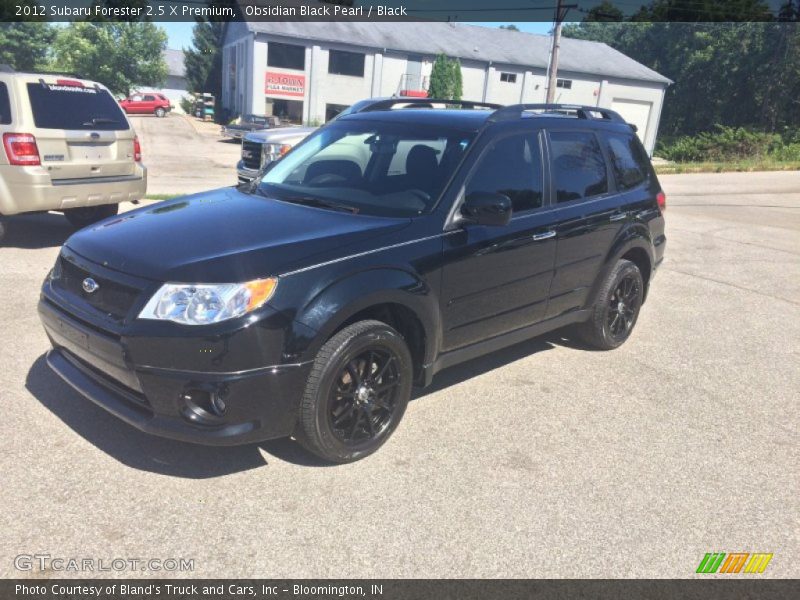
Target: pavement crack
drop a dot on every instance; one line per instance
(733, 285)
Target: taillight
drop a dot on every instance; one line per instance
(137, 149)
(21, 149)
(661, 198)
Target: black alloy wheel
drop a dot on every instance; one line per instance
(623, 306)
(363, 399)
(357, 392)
(616, 307)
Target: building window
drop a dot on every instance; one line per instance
(345, 63)
(286, 56)
(508, 77)
(564, 83)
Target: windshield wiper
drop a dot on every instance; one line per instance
(310, 201)
(98, 121)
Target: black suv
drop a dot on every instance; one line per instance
(390, 244)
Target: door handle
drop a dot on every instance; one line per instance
(538, 237)
(618, 217)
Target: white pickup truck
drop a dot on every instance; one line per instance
(259, 148)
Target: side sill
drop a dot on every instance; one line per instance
(460, 355)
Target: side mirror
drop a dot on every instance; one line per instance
(486, 208)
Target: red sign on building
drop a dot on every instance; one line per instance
(285, 84)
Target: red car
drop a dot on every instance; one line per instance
(146, 104)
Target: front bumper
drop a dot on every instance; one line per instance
(245, 175)
(260, 403)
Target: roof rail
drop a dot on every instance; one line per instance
(515, 111)
(389, 103)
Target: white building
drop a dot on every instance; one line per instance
(309, 71)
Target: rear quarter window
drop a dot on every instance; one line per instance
(70, 107)
(5, 105)
(629, 161)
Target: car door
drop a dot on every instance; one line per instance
(497, 279)
(587, 212)
(149, 103)
(134, 104)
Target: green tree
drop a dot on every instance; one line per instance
(24, 44)
(510, 27)
(604, 12)
(204, 60)
(446, 79)
(120, 55)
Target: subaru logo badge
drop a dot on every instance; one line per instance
(90, 285)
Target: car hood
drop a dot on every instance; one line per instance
(224, 236)
(278, 135)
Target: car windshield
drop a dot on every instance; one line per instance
(368, 167)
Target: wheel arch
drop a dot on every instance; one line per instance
(633, 244)
(394, 296)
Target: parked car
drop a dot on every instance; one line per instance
(310, 303)
(247, 124)
(146, 104)
(260, 148)
(67, 147)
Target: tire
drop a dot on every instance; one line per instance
(356, 394)
(160, 112)
(616, 309)
(84, 216)
(3, 228)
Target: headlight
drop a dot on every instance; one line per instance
(201, 304)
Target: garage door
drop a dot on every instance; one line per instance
(634, 112)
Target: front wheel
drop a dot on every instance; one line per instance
(87, 215)
(357, 392)
(160, 112)
(617, 308)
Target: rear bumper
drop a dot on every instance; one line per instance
(260, 403)
(29, 189)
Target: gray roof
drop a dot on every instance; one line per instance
(471, 42)
(174, 60)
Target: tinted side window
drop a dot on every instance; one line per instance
(511, 166)
(5, 105)
(579, 170)
(149, 98)
(629, 161)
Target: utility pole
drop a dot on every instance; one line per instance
(561, 14)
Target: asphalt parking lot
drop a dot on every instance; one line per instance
(543, 460)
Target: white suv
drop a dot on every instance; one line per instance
(66, 146)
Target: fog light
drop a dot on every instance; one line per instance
(204, 403)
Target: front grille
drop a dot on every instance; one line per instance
(251, 154)
(111, 298)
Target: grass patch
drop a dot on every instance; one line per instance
(727, 166)
(162, 196)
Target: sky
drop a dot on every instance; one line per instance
(180, 34)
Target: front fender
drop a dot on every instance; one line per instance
(333, 305)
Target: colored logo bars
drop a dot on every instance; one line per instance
(734, 562)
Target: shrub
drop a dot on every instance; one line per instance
(731, 144)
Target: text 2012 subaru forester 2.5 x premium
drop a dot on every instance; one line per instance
(386, 246)
(67, 146)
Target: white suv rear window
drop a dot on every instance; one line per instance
(5, 105)
(74, 107)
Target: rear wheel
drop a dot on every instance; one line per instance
(356, 393)
(87, 215)
(617, 308)
(3, 228)
(160, 112)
